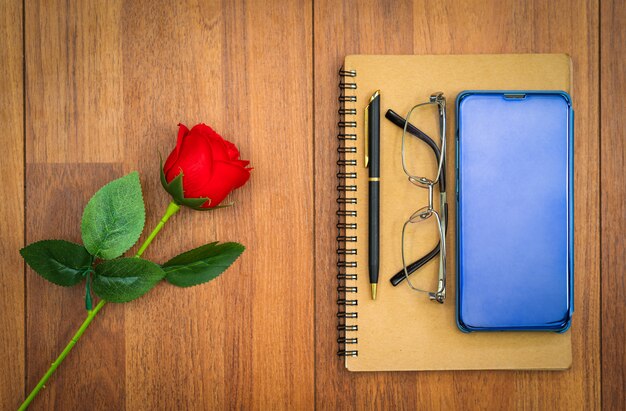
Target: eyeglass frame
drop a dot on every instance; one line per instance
(423, 213)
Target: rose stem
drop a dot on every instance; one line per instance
(172, 208)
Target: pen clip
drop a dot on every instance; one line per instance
(366, 127)
(366, 132)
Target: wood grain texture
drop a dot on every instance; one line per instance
(91, 376)
(114, 95)
(613, 201)
(74, 67)
(11, 207)
(107, 82)
(231, 343)
(460, 27)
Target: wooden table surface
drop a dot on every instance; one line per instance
(91, 90)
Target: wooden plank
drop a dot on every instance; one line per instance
(246, 339)
(91, 376)
(439, 27)
(74, 68)
(613, 195)
(73, 117)
(11, 207)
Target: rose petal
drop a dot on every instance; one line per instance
(202, 128)
(171, 159)
(220, 150)
(242, 163)
(196, 163)
(226, 178)
(233, 152)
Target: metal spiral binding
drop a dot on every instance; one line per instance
(345, 253)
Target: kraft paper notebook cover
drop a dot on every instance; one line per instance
(402, 329)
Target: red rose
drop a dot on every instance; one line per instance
(210, 167)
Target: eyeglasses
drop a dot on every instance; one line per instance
(423, 175)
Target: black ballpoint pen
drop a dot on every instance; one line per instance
(372, 160)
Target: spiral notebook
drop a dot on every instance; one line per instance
(402, 329)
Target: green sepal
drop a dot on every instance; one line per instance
(201, 264)
(88, 299)
(125, 279)
(114, 218)
(176, 190)
(58, 261)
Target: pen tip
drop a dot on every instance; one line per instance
(374, 290)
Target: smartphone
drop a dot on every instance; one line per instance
(514, 194)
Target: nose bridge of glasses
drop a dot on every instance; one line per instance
(421, 181)
(430, 197)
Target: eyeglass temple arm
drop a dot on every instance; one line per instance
(416, 265)
(413, 267)
(399, 121)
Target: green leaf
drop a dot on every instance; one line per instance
(201, 264)
(114, 218)
(58, 261)
(125, 279)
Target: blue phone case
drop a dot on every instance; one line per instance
(515, 231)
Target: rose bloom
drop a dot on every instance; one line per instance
(210, 165)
